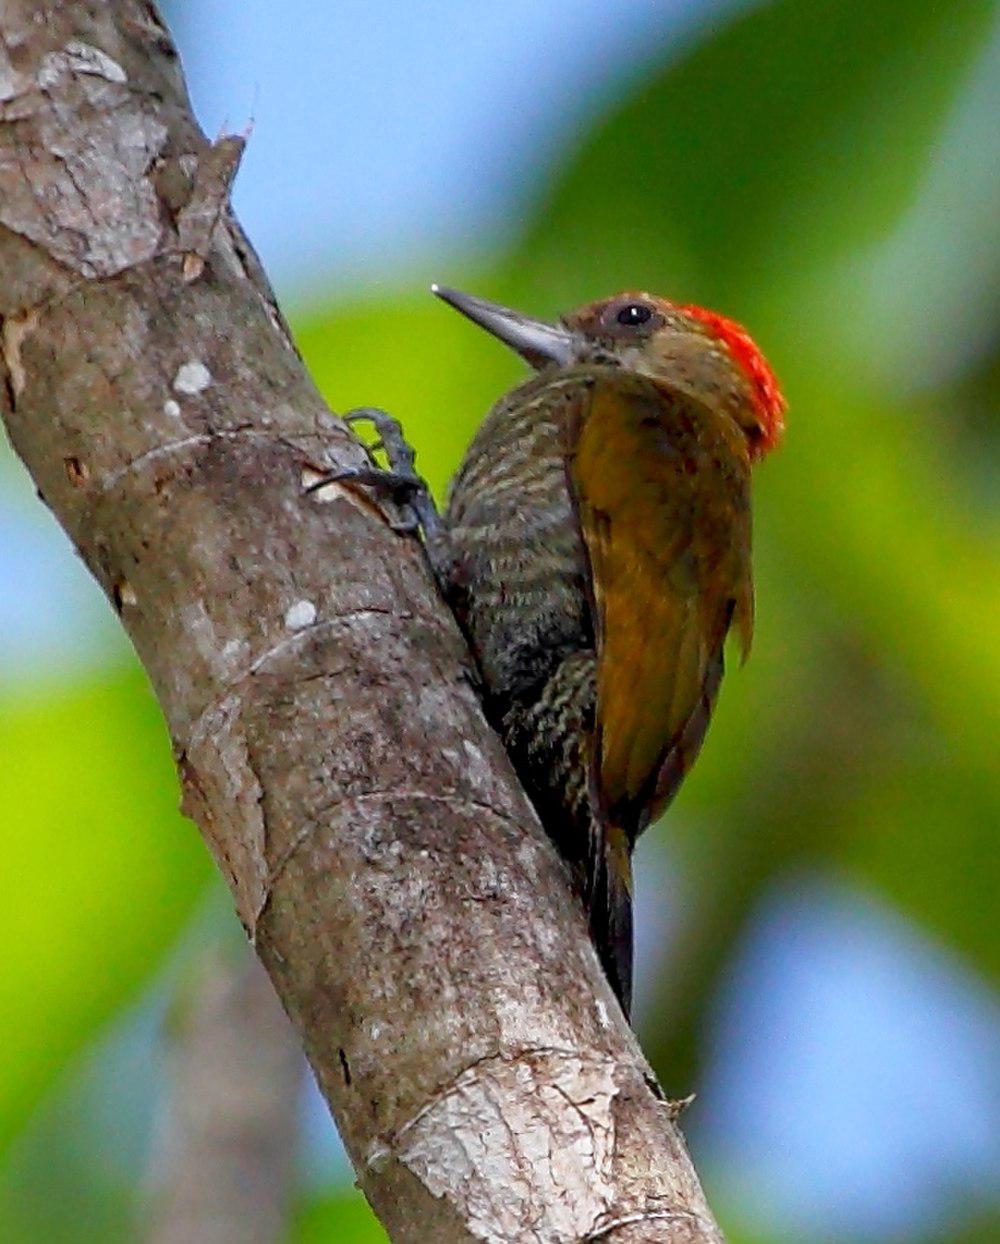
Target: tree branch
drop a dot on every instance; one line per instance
(223, 1166)
(415, 921)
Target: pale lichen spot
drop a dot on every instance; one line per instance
(192, 377)
(527, 855)
(198, 627)
(478, 766)
(233, 653)
(171, 408)
(299, 615)
(78, 57)
(377, 1155)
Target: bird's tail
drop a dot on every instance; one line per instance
(611, 910)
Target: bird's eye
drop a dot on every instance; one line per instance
(633, 314)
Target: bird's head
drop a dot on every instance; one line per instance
(678, 345)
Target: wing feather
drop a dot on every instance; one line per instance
(662, 488)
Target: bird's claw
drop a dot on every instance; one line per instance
(392, 485)
(398, 484)
(389, 485)
(398, 451)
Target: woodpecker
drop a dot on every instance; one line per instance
(596, 551)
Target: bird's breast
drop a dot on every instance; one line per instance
(520, 567)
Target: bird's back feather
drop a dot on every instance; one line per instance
(662, 489)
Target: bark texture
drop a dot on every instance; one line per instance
(223, 1165)
(392, 875)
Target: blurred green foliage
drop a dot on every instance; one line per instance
(103, 872)
(766, 170)
(345, 1219)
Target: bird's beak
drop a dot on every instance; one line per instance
(537, 341)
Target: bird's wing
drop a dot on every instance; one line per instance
(662, 487)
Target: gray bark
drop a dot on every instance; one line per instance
(222, 1168)
(413, 918)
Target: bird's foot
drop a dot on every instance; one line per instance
(399, 453)
(391, 486)
(397, 483)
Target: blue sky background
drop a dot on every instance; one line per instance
(387, 134)
(855, 1080)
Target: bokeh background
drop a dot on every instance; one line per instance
(818, 915)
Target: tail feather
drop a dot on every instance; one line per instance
(611, 911)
